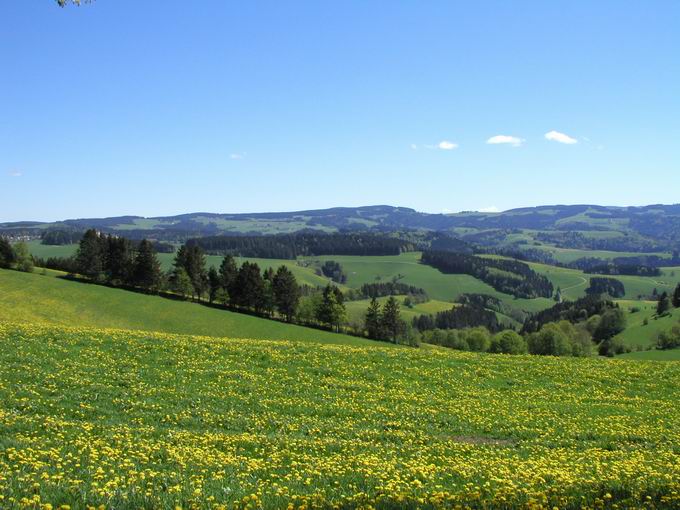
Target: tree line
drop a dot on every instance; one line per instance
(15, 256)
(609, 286)
(291, 246)
(504, 275)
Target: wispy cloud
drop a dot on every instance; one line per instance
(505, 139)
(446, 145)
(237, 155)
(556, 136)
(414, 147)
(491, 208)
(14, 173)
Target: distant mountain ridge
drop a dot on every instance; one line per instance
(657, 223)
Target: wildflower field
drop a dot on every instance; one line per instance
(121, 419)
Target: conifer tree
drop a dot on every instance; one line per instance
(214, 283)
(248, 289)
(676, 296)
(181, 283)
(373, 320)
(331, 309)
(6, 253)
(118, 261)
(664, 304)
(391, 319)
(146, 270)
(228, 274)
(286, 292)
(89, 258)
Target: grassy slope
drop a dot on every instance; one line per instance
(33, 298)
(357, 309)
(193, 418)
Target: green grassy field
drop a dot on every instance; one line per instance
(356, 310)
(148, 420)
(439, 286)
(638, 335)
(37, 299)
(653, 355)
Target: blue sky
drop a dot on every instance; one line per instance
(157, 107)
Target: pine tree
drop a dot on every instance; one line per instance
(664, 304)
(180, 282)
(248, 289)
(391, 319)
(676, 296)
(118, 261)
(89, 258)
(373, 320)
(331, 309)
(6, 253)
(214, 283)
(286, 292)
(146, 269)
(228, 274)
(191, 258)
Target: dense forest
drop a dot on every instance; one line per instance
(609, 286)
(459, 317)
(504, 275)
(572, 311)
(292, 246)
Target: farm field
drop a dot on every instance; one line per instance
(637, 334)
(356, 310)
(153, 420)
(439, 286)
(37, 299)
(656, 355)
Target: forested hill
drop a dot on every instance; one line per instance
(650, 227)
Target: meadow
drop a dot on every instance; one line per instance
(151, 420)
(46, 299)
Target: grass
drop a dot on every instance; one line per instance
(637, 335)
(149, 420)
(656, 355)
(37, 299)
(356, 310)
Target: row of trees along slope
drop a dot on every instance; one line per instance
(505, 275)
(290, 246)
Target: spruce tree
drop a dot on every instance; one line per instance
(248, 290)
(331, 309)
(89, 258)
(373, 320)
(214, 283)
(180, 282)
(286, 292)
(664, 304)
(676, 296)
(228, 273)
(146, 270)
(6, 253)
(118, 260)
(391, 319)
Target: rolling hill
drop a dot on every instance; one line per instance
(46, 299)
(647, 228)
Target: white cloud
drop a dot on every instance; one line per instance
(14, 173)
(505, 139)
(446, 211)
(414, 147)
(491, 208)
(446, 145)
(556, 136)
(236, 155)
